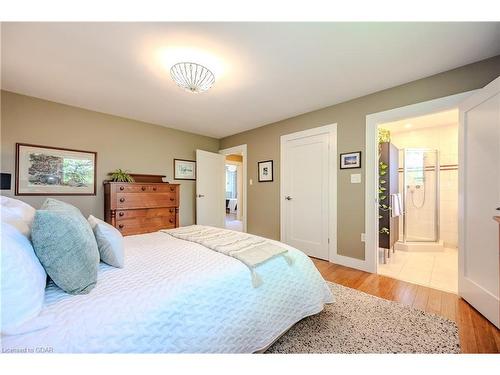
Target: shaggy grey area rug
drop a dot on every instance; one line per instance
(360, 323)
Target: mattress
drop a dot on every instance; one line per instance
(175, 296)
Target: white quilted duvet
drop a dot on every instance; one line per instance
(175, 296)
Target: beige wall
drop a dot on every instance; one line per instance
(264, 144)
(119, 142)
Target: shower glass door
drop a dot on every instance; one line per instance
(421, 195)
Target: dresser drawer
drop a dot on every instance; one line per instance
(145, 188)
(145, 213)
(132, 188)
(164, 188)
(146, 200)
(140, 225)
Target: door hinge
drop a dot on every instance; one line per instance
(328, 240)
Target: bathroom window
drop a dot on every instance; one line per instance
(231, 184)
(415, 167)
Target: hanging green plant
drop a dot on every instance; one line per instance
(120, 175)
(383, 136)
(384, 230)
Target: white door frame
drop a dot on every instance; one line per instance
(332, 167)
(241, 149)
(371, 169)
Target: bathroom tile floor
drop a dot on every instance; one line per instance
(232, 223)
(438, 270)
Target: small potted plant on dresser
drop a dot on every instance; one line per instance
(119, 175)
(140, 203)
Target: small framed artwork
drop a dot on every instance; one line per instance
(43, 170)
(350, 160)
(184, 169)
(265, 171)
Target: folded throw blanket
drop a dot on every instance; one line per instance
(248, 249)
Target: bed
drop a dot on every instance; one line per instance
(175, 296)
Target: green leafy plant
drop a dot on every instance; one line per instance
(383, 136)
(120, 175)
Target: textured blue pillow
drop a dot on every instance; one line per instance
(65, 244)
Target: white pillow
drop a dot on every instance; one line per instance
(109, 241)
(23, 281)
(17, 214)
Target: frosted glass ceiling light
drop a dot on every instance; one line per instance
(192, 77)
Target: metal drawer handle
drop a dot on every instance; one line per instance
(121, 188)
(143, 188)
(154, 188)
(172, 199)
(122, 200)
(171, 220)
(120, 226)
(171, 210)
(172, 189)
(121, 214)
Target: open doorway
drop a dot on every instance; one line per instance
(478, 187)
(418, 199)
(234, 191)
(235, 188)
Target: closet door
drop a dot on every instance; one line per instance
(305, 198)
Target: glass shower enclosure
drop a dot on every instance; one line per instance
(419, 189)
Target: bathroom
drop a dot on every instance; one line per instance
(419, 220)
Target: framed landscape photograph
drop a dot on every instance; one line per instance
(265, 171)
(184, 169)
(43, 170)
(350, 160)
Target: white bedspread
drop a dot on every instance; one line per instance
(176, 296)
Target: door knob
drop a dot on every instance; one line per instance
(288, 198)
(200, 195)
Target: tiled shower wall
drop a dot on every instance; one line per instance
(445, 140)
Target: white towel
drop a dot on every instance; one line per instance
(396, 206)
(232, 205)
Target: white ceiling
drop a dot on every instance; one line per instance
(444, 118)
(265, 72)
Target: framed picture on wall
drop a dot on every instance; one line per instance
(44, 170)
(350, 160)
(265, 171)
(184, 169)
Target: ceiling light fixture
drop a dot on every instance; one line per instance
(192, 77)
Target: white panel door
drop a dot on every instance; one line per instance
(210, 188)
(478, 278)
(305, 197)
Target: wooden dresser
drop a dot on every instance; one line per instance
(141, 207)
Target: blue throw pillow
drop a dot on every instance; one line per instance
(65, 244)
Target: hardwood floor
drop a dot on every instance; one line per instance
(477, 335)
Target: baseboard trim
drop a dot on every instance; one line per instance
(358, 264)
